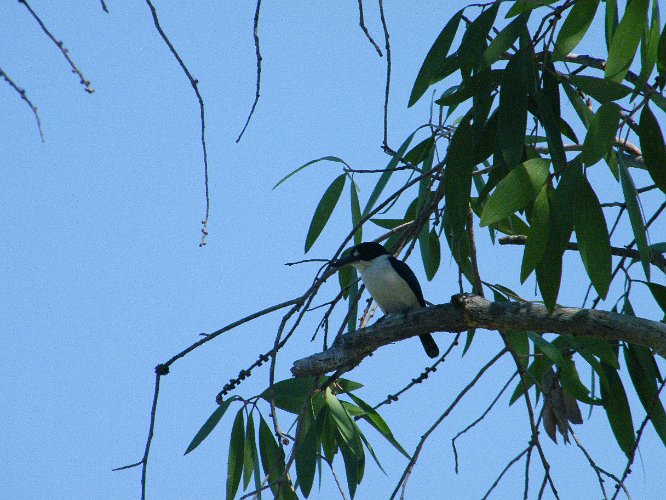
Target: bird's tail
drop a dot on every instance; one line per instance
(429, 345)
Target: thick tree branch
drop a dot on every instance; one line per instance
(472, 311)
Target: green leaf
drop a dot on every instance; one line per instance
(251, 461)
(635, 217)
(652, 145)
(617, 409)
(548, 104)
(549, 271)
(269, 451)
(552, 352)
(236, 452)
(340, 417)
(600, 89)
(324, 158)
(421, 151)
(431, 69)
(625, 40)
(505, 38)
(355, 212)
(210, 424)
(371, 416)
(430, 252)
(483, 81)
(661, 52)
(306, 455)
(351, 468)
(291, 394)
(649, 47)
(513, 110)
(611, 21)
(659, 294)
(645, 383)
(346, 276)
(458, 173)
(570, 381)
(521, 6)
(534, 372)
(538, 235)
(324, 210)
(563, 202)
(519, 343)
(592, 237)
(601, 133)
(474, 40)
(515, 191)
(575, 26)
(384, 178)
(584, 113)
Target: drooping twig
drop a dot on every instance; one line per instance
(258, 53)
(84, 81)
(365, 30)
(195, 85)
(440, 419)
(22, 94)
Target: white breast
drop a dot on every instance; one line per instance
(389, 290)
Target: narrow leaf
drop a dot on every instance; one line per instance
(249, 455)
(575, 26)
(617, 409)
(538, 235)
(505, 38)
(474, 40)
(430, 71)
(430, 251)
(515, 191)
(513, 110)
(306, 456)
(355, 212)
(601, 133)
(324, 210)
(209, 425)
(600, 89)
(324, 158)
(236, 452)
(459, 176)
(635, 217)
(652, 145)
(592, 237)
(625, 40)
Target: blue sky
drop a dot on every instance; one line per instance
(103, 277)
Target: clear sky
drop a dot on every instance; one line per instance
(102, 277)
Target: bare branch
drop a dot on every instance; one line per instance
(195, 85)
(655, 258)
(388, 72)
(365, 30)
(84, 81)
(259, 58)
(471, 311)
(21, 92)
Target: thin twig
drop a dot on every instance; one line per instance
(365, 30)
(461, 394)
(258, 54)
(388, 71)
(22, 94)
(195, 85)
(84, 81)
(483, 415)
(655, 258)
(504, 471)
(104, 7)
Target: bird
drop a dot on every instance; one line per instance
(391, 282)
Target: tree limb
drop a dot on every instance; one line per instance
(472, 311)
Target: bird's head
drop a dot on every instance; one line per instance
(361, 255)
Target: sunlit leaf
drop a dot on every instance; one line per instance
(575, 26)
(611, 21)
(538, 235)
(505, 39)
(625, 40)
(430, 251)
(515, 191)
(324, 210)
(355, 212)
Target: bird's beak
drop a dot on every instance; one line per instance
(343, 261)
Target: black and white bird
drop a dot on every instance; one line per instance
(391, 283)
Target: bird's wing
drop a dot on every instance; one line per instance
(405, 271)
